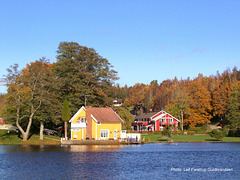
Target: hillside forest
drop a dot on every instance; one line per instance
(81, 76)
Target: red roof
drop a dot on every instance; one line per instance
(104, 115)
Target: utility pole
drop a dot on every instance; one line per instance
(86, 99)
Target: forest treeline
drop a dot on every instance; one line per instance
(204, 99)
(80, 75)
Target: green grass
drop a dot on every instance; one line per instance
(190, 138)
(13, 138)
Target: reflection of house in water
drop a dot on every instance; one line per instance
(95, 148)
(154, 121)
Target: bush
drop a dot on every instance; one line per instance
(147, 140)
(198, 130)
(234, 133)
(190, 132)
(167, 131)
(178, 132)
(219, 134)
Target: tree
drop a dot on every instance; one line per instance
(26, 93)
(220, 99)
(199, 103)
(81, 71)
(233, 114)
(65, 116)
(136, 96)
(126, 116)
(17, 95)
(179, 105)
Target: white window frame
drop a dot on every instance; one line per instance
(105, 133)
(170, 120)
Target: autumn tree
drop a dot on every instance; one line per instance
(150, 95)
(26, 93)
(179, 105)
(220, 99)
(136, 97)
(199, 104)
(81, 71)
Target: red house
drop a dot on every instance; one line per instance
(154, 121)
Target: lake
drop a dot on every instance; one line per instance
(149, 161)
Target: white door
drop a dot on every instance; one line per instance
(115, 134)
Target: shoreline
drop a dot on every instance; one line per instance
(110, 143)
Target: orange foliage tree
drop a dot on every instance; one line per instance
(199, 103)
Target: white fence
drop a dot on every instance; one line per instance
(130, 137)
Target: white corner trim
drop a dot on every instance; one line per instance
(94, 118)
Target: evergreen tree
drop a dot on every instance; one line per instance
(65, 116)
(233, 114)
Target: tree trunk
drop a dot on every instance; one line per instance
(182, 121)
(65, 129)
(41, 130)
(20, 128)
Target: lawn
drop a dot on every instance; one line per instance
(13, 138)
(189, 138)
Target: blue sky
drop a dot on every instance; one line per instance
(144, 40)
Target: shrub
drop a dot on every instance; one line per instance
(198, 130)
(147, 140)
(219, 134)
(190, 132)
(167, 131)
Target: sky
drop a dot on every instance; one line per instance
(144, 40)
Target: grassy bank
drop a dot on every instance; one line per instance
(189, 138)
(14, 139)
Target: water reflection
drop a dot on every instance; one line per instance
(95, 148)
(63, 148)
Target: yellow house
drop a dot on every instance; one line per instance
(95, 123)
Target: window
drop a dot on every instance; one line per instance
(170, 120)
(163, 120)
(104, 133)
(81, 120)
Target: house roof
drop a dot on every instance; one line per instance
(146, 115)
(161, 114)
(104, 115)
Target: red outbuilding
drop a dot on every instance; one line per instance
(1, 121)
(154, 121)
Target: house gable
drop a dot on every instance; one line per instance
(81, 113)
(162, 114)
